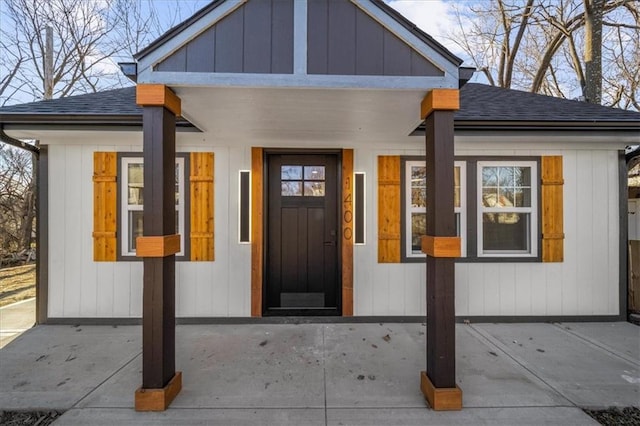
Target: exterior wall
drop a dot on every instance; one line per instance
(586, 283)
(80, 287)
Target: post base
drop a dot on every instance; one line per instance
(440, 399)
(159, 399)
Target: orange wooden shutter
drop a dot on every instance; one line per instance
(201, 185)
(105, 187)
(389, 209)
(552, 209)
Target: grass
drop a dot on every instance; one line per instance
(17, 283)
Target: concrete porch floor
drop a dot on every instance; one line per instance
(326, 374)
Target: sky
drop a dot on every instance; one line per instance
(435, 17)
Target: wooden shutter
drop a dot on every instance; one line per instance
(105, 187)
(552, 210)
(201, 185)
(389, 210)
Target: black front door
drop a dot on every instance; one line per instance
(302, 235)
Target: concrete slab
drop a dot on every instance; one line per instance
(365, 370)
(53, 367)
(203, 417)
(15, 319)
(231, 366)
(310, 374)
(523, 416)
(489, 378)
(587, 375)
(619, 338)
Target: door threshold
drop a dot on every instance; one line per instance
(302, 312)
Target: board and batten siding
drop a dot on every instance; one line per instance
(255, 38)
(81, 287)
(344, 40)
(584, 283)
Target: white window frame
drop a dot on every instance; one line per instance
(125, 207)
(532, 211)
(409, 209)
(462, 210)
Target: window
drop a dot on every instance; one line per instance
(415, 176)
(132, 203)
(298, 181)
(507, 208)
(416, 207)
(497, 216)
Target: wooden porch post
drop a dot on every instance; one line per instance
(438, 383)
(160, 382)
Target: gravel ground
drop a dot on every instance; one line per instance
(28, 418)
(628, 416)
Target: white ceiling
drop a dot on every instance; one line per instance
(301, 114)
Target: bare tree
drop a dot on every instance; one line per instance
(593, 11)
(17, 200)
(80, 58)
(562, 48)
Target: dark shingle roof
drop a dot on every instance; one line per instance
(480, 102)
(481, 106)
(109, 102)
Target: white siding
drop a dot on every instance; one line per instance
(80, 287)
(586, 283)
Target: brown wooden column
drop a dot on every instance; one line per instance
(158, 246)
(441, 245)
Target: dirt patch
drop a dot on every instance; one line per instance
(616, 416)
(28, 418)
(17, 283)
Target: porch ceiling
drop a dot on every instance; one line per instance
(302, 115)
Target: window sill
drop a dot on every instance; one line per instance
(486, 259)
(140, 259)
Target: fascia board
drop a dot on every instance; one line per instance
(441, 62)
(246, 80)
(147, 62)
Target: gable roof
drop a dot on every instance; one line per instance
(397, 16)
(481, 106)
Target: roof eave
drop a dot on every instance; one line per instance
(537, 126)
(72, 120)
(546, 125)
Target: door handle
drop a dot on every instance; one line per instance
(329, 243)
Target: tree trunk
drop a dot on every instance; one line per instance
(48, 65)
(29, 208)
(593, 11)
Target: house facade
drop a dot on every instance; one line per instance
(300, 178)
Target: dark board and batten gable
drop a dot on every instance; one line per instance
(257, 37)
(343, 40)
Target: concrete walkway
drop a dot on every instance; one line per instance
(327, 374)
(15, 319)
